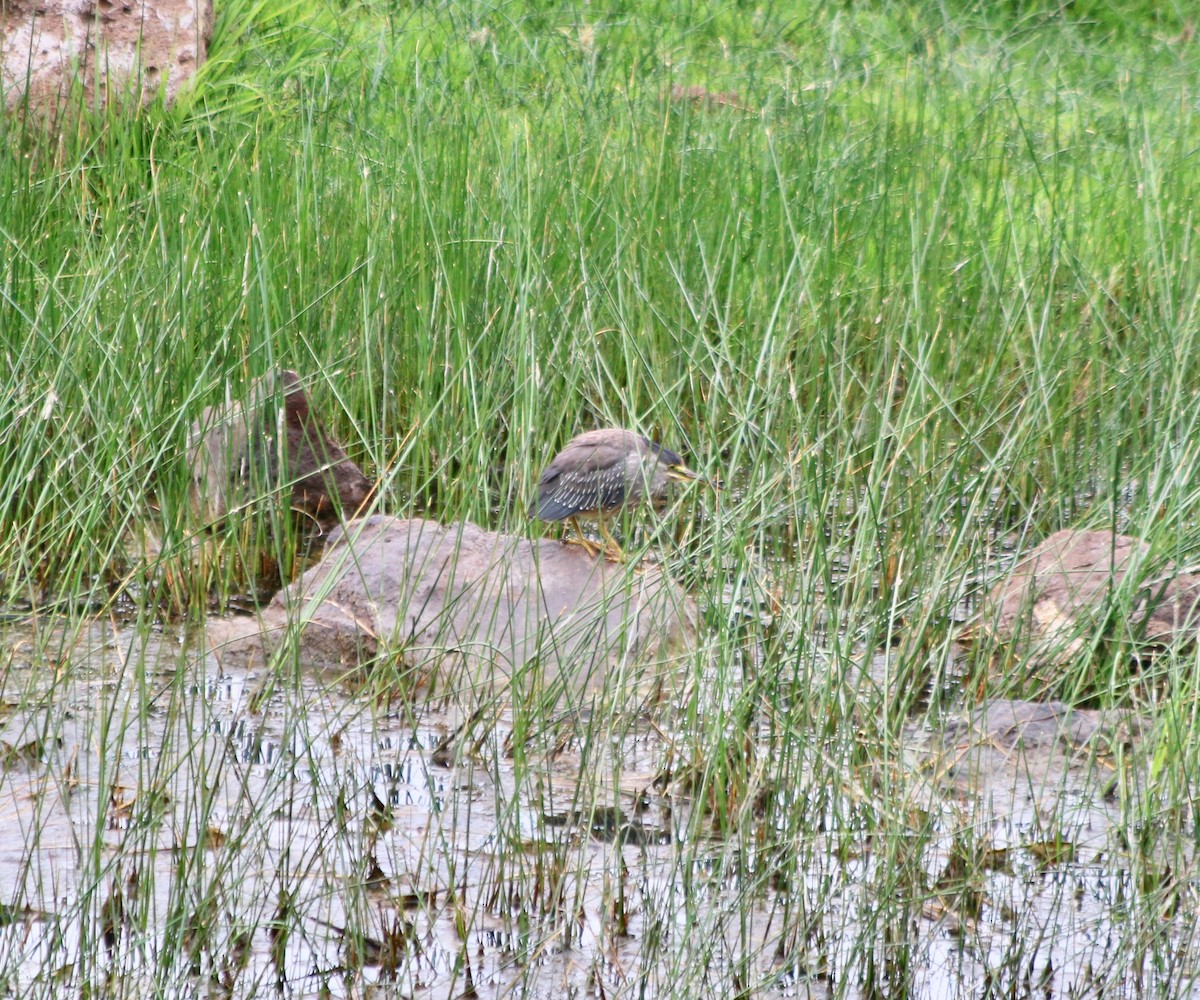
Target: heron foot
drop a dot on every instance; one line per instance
(615, 554)
(612, 548)
(588, 546)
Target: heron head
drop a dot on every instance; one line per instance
(681, 472)
(676, 469)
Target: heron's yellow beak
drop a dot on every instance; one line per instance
(684, 474)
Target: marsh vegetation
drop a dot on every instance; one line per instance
(918, 281)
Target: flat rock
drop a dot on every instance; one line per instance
(111, 47)
(470, 610)
(1040, 771)
(1060, 596)
(271, 448)
(1006, 725)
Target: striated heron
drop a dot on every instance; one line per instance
(602, 471)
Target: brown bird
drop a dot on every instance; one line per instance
(601, 471)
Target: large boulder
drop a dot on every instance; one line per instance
(1061, 596)
(111, 47)
(461, 607)
(270, 448)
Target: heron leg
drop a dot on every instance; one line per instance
(590, 547)
(612, 551)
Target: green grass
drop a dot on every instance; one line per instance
(928, 292)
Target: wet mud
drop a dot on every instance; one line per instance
(175, 824)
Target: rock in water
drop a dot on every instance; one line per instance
(471, 610)
(1059, 596)
(270, 448)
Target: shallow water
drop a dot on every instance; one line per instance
(169, 825)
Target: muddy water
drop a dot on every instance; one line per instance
(171, 826)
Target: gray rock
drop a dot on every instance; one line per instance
(1043, 773)
(110, 46)
(471, 610)
(270, 448)
(1005, 725)
(1060, 596)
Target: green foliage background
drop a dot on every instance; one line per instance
(916, 279)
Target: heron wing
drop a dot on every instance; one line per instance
(583, 477)
(594, 451)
